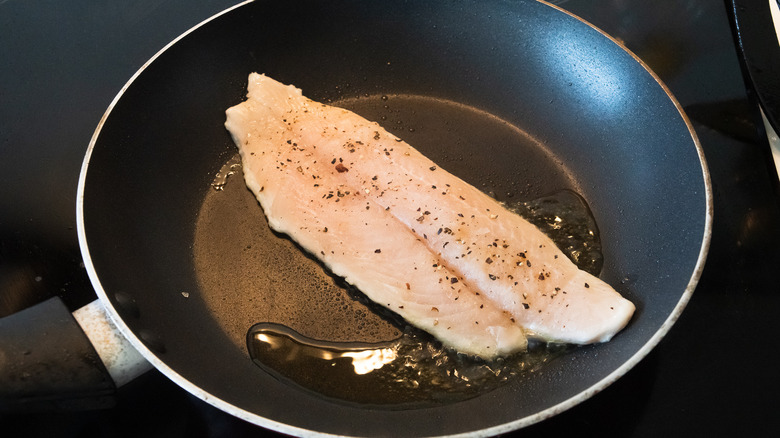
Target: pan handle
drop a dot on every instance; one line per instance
(122, 361)
(52, 360)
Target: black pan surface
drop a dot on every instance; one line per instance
(542, 102)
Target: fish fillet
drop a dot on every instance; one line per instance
(412, 237)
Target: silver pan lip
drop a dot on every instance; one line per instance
(491, 431)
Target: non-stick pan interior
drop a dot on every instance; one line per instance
(603, 125)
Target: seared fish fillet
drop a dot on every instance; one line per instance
(449, 259)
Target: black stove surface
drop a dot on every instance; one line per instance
(713, 374)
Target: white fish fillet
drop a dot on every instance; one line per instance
(411, 236)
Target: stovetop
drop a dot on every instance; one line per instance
(713, 374)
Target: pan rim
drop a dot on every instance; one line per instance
(253, 418)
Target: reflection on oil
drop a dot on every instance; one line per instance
(273, 339)
(409, 372)
(228, 169)
(369, 360)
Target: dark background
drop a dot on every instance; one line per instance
(62, 63)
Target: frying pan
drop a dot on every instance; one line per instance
(516, 97)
